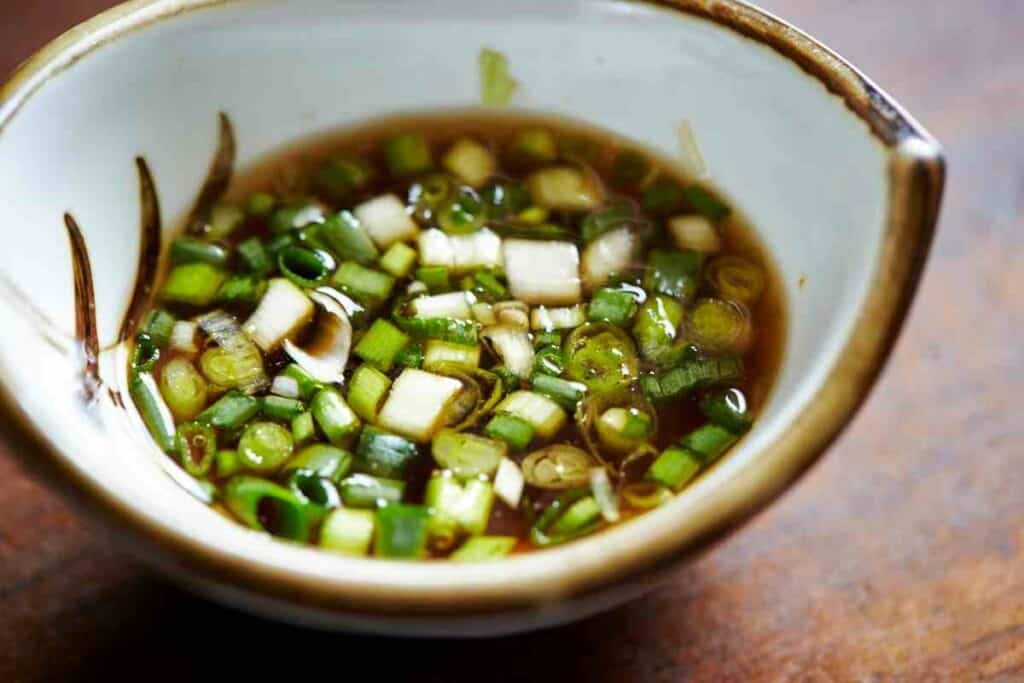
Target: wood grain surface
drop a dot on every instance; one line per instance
(900, 557)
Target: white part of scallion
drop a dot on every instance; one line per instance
(183, 336)
(417, 402)
(450, 305)
(559, 318)
(438, 352)
(483, 313)
(564, 187)
(694, 232)
(612, 252)
(509, 482)
(544, 415)
(285, 386)
(513, 346)
(283, 311)
(470, 161)
(604, 494)
(543, 272)
(460, 253)
(326, 355)
(386, 220)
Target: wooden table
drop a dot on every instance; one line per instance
(897, 558)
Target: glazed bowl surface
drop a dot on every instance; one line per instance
(841, 184)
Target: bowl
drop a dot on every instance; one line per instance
(106, 133)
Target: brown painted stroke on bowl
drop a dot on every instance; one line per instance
(149, 251)
(217, 179)
(85, 308)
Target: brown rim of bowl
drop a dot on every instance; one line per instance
(916, 177)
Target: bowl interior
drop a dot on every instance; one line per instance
(788, 153)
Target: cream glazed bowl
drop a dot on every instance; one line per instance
(842, 185)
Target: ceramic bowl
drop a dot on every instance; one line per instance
(843, 186)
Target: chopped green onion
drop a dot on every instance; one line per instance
(545, 416)
(706, 203)
(622, 430)
(226, 464)
(496, 85)
(192, 250)
(550, 319)
(155, 413)
(470, 161)
(196, 284)
(398, 260)
(267, 506)
(564, 392)
(284, 310)
(276, 244)
(383, 454)
(295, 216)
(281, 408)
(339, 176)
(349, 532)
(407, 155)
(657, 326)
(305, 267)
(467, 455)
(557, 467)
(645, 494)
(325, 461)
(505, 198)
(335, 419)
(196, 445)
(549, 361)
(728, 408)
(381, 344)
(606, 219)
(462, 508)
(434, 277)
(365, 491)
(145, 353)
(260, 204)
(462, 214)
(401, 532)
(231, 411)
(736, 278)
(575, 513)
(709, 442)
(532, 147)
(675, 467)
(663, 197)
(719, 326)
(439, 352)
(183, 336)
(265, 446)
(690, 376)
(224, 219)
(673, 273)
(513, 430)
(411, 356)
(564, 188)
(347, 238)
(183, 388)
(241, 289)
(158, 325)
(615, 306)
(513, 346)
(601, 356)
(369, 287)
(509, 483)
(490, 284)
(694, 232)
(228, 369)
(454, 330)
(606, 497)
(367, 390)
(484, 548)
(303, 428)
(306, 383)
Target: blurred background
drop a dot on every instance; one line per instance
(897, 558)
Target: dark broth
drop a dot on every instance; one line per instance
(288, 175)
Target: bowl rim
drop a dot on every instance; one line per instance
(916, 177)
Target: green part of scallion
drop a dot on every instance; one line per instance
(434, 277)
(306, 382)
(224, 219)
(265, 446)
(532, 147)
(673, 272)
(657, 326)
(489, 284)
(366, 491)
(496, 84)
(549, 361)
(303, 428)
(407, 154)
(347, 238)
(231, 411)
(305, 267)
(196, 445)
(457, 508)
(610, 305)
(226, 464)
(340, 176)
(513, 430)
(277, 244)
(690, 376)
(398, 260)
(663, 197)
(367, 390)
(195, 284)
(573, 514)
(381, 343)
(706, 203)
(505, 199)
(270, 507)
(484, 548)
(383, 454)
(158, 325)
(254, 256)
(401, 532)
(335, 419)
(411, 356)
(145, 353)
(603, 357)
(367, 286)
(294, 216)
(509, 381)
(675, 467)
(454, 330)
(606, 219)
(155, 413)
(242, 289)
(709, 442)
(467, 455)
(542, 338)
(349, 532)
(281, 408)
(728, 408)
(192, 250)
(318, 491)
(462, 213)
(564, 392)
(260, 204)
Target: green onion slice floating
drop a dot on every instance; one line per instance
(557, 467)
(736, 278)
(305, 267)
